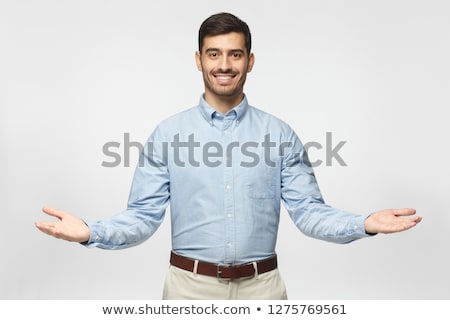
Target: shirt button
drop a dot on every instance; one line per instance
(229, 215)
(97, 237)
(225, 131)
(229, 244)
(228, 187)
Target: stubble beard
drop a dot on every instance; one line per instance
(224, 91)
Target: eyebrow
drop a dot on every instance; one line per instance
(232, 50)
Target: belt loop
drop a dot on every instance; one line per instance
(195, 267)
(255, 266)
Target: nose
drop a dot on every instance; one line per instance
(224, 63)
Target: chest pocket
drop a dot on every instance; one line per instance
(261, 182)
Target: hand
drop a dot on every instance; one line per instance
(68, 227)
(391, 220)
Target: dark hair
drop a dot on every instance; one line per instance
(222, 23)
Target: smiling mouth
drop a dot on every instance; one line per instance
(224, 78)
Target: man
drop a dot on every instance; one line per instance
(225, 167)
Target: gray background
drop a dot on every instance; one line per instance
(77, 74)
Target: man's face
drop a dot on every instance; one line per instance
(224, 62)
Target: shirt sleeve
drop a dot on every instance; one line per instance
(147, 202)
(303, 201)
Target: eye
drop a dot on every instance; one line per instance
(213, 54)
(236, 55)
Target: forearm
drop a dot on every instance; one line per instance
(323, 222)
(124, 230)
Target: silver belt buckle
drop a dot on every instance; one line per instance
(219, 271)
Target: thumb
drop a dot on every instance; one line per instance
(404, 212)
(54, 212)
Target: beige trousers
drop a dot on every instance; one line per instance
(185, 285)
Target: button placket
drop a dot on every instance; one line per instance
(229, 191)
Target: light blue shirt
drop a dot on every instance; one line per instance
(225, 177)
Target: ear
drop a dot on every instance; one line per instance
(198, 61)
(251, 62)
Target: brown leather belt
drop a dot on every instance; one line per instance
(223, 271)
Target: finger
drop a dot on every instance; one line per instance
(403, 225)
(45, 227)
(40, 224)
(50, 228)
(53, 212)
(405, 212)
(412, 222)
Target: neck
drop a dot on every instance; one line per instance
(223, 104)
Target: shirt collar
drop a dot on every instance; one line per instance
(208, 112)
